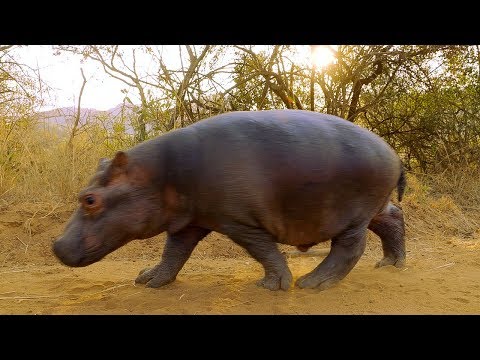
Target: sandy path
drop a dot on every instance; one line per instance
(447, 282)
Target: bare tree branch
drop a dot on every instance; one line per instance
(77, 116)
(5, 47)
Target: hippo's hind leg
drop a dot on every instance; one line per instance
(345, 251)
(177, 250)
(262, 246)
(389, 226)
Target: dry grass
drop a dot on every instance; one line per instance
(37, 166)
(437, 207)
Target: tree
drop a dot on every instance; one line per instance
(168, 94)
(271, 71)
(20, 94)
(20, 84)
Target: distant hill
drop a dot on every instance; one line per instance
(60, 117)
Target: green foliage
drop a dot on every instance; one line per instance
(430, 113)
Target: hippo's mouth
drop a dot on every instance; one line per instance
(96, 253)
(78, 257)
(90, 258)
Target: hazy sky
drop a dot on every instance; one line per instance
(62, 73)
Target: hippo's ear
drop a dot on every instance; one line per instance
(120, 160)
(117, 171)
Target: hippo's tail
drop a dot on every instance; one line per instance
(402, 183)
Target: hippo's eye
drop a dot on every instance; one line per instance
(92, 203)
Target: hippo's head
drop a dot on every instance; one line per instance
(121, 203)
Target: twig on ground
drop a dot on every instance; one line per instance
(34, 297)
(28, 297)
(6, 257)
(238, 304)
(110, 288)
(319, 252)
(442, 266)
(6, 191)
(53, 209)
(12, 271)
(26, 245)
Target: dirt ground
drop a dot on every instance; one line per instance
(442, 277)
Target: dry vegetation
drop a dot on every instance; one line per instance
(43, 168)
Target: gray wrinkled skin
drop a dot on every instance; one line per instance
(266, 177)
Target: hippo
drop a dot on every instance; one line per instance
(261, 178)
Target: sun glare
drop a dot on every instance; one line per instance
(322, 56)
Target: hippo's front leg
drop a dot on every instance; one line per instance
(177, 250)
(262, 247)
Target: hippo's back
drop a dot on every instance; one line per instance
(295, 127)
(303, 140)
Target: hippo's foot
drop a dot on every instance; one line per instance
(177, 250)
(274, 281)
(316, 280)
(153, 277)
(397, 262)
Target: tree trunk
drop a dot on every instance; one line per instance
(357, 88)
(312, 89)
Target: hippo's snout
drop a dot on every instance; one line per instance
(67, 253)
